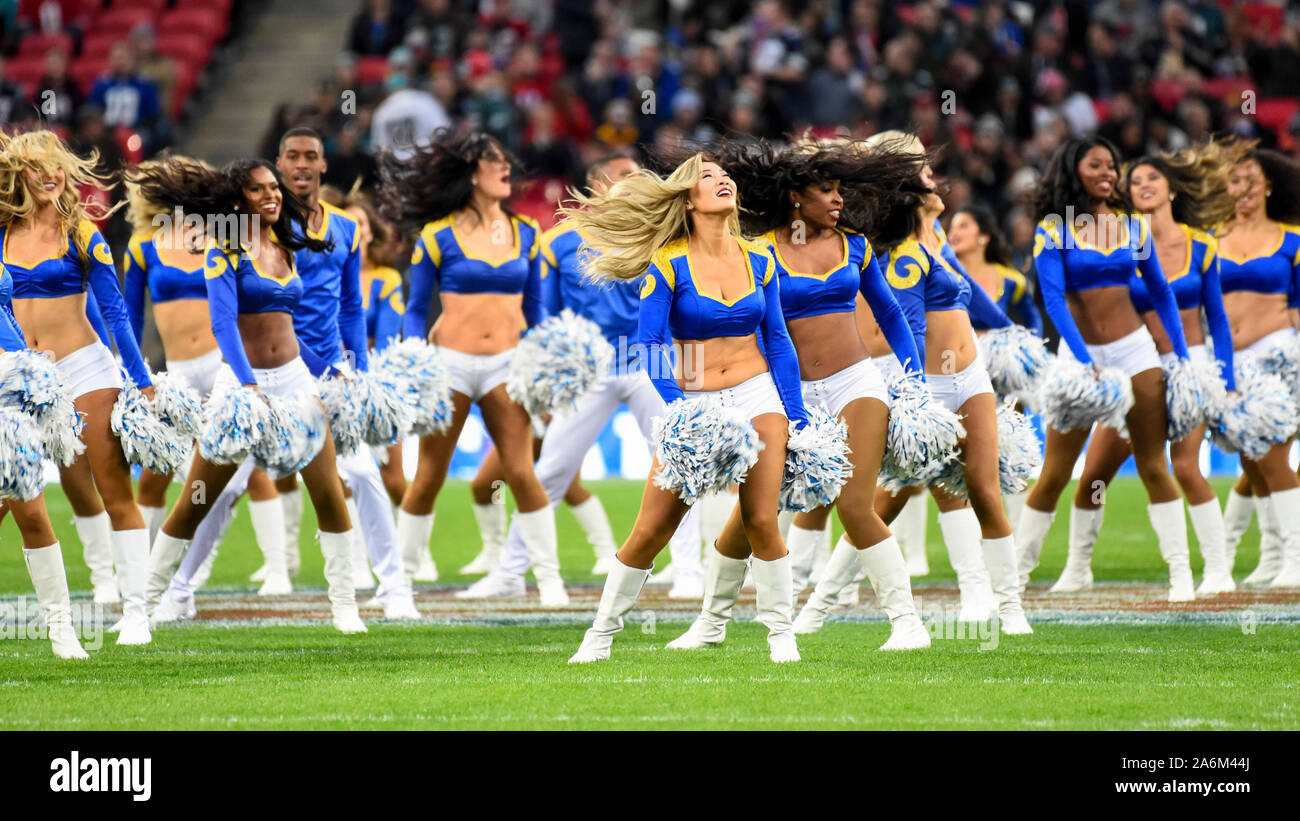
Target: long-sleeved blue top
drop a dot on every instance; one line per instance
(65, 275)
(613, 306)
(1274, 272)
(1066, 265)
(835, 291)
(440, 260)
(381, 298)
(1196, 286)
(1015, 299)
(672, 307)
(330, 317)
(11, 336)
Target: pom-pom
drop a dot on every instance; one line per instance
(1282, 359)
(292, 436)
(816, 462)
(1020, 455)
(1015, 358)
(1072, 396)
(234, 421)
(22, 472)
(30, 382)
(703, 446)
(365, 409)
(411, 368)
(146, 440)
(1261, 414)
(923, 435)
(1194, 393)
(177, 404)
(557, 362)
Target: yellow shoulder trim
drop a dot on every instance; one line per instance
(912, 271)
(428, 234)
(663, 259)
(135, 249)
(1017, 279)
(1052, 229)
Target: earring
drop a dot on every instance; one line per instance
(984, 242)
(473, 182)
(796, 205)
(1171, 197)
(689, 207)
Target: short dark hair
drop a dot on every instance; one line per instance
(600, 162)
(301, 131)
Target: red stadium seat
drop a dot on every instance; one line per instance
(1273, 15)
(188, 48)
(38, 44)
(222, 6)
(154, 7)
(71, 12)
(25, 70)
(96, 45)
(85, 72)
(187, 79)
(1275, 113)
(1102, 107)
(121, 21)
(1224, 88)
(131, 143)
(205, 22)
(372, 70)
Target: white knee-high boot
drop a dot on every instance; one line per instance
(131, 555)
(291, 503)
(1270, 543)
(1030, 533)
(1207, 521)
(362, 578)
(269, 529)
(622, 586)
(336, 548)
(1286, 512)
(887, 572)
(492, 521)
(164, 557)
(97, 548)
(821, 556)
(687, 566)
(50, 578)
(722, 584)
(961, 535)
(839, 574)
(537, 528)
(909, 529)
(1170, 525)
(802, 544)
(1085, 524)
(595, 526)
(1000, 558)
(1238, 510)
(153, 519)
(715, 510)
(1015, 505)
(774, 600)
(413, 534)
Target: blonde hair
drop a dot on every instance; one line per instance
(1198, 179)
(141, 209)
(896, 141)
(638, 216)
(45, 153)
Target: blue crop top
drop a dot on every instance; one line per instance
(1014, 298)
(381, 299)
(11, 336)
(673, 308)
(329, 318)
(1276, 272)
(65, 275)
(440, 261)
(923, 282)
(145, 270)
(1196, 286)
(613, 306)
(836, 291)
(237, 286)
(1066, 265)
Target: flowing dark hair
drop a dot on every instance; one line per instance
(1198, 179)
(1060, 190)
(216, 194)
(435, 180)
(1283, 175)
(996, 250)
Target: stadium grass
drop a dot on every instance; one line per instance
(423, 676)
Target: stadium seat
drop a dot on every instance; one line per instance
(1274, 16)
(25, 70)
(71, 12)
(85, 72)
(154, 7)
(96, 45)
(1275, 113)
(371, 70)
(204, 22)
(222, 6)
(121, 21)
(187, 79)
(189, 48)
(38, 44)
(1223, 88)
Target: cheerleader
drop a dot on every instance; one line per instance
(486, 264)
(41, 550)
(1183, 196)
(53, 254)
(796, 201)
(572, 432)
(165, 260)
(983, 253)
(1085, 260)
(1259, 293)
(253, 289)
(716, 294)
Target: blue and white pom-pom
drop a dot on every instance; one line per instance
(1260, 415)
(177, 404)
(412, 369)
(30, 382)
(923, 435)
(365, 410)
(1194, 394)
(235, 421)
(1020, 455)
(22, 472)
(816, 462)
(1283, 361)
(293, 434)
(556, 362)
(146, 440)
(703, 446)
(1072, 396)
(1015, 358)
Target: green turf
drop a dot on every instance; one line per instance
(423, 676)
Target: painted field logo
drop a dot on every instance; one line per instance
(77, 774)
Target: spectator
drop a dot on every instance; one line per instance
(13, 103)
(374, 30)
(57, 96)
(443, 24)
(159, 68)
(833, 89)
(348, 159)
(408, 117)
(545, 152)
(617, 130)
(129, 100)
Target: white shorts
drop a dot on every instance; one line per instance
(888, 366)
(754, 397)
(861, 380)
(200, 373)
(291, 380)
(1133, 354)
(1286, 336)
(952, 390)
(92, 368)
(1197, 353)
(475, 374)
